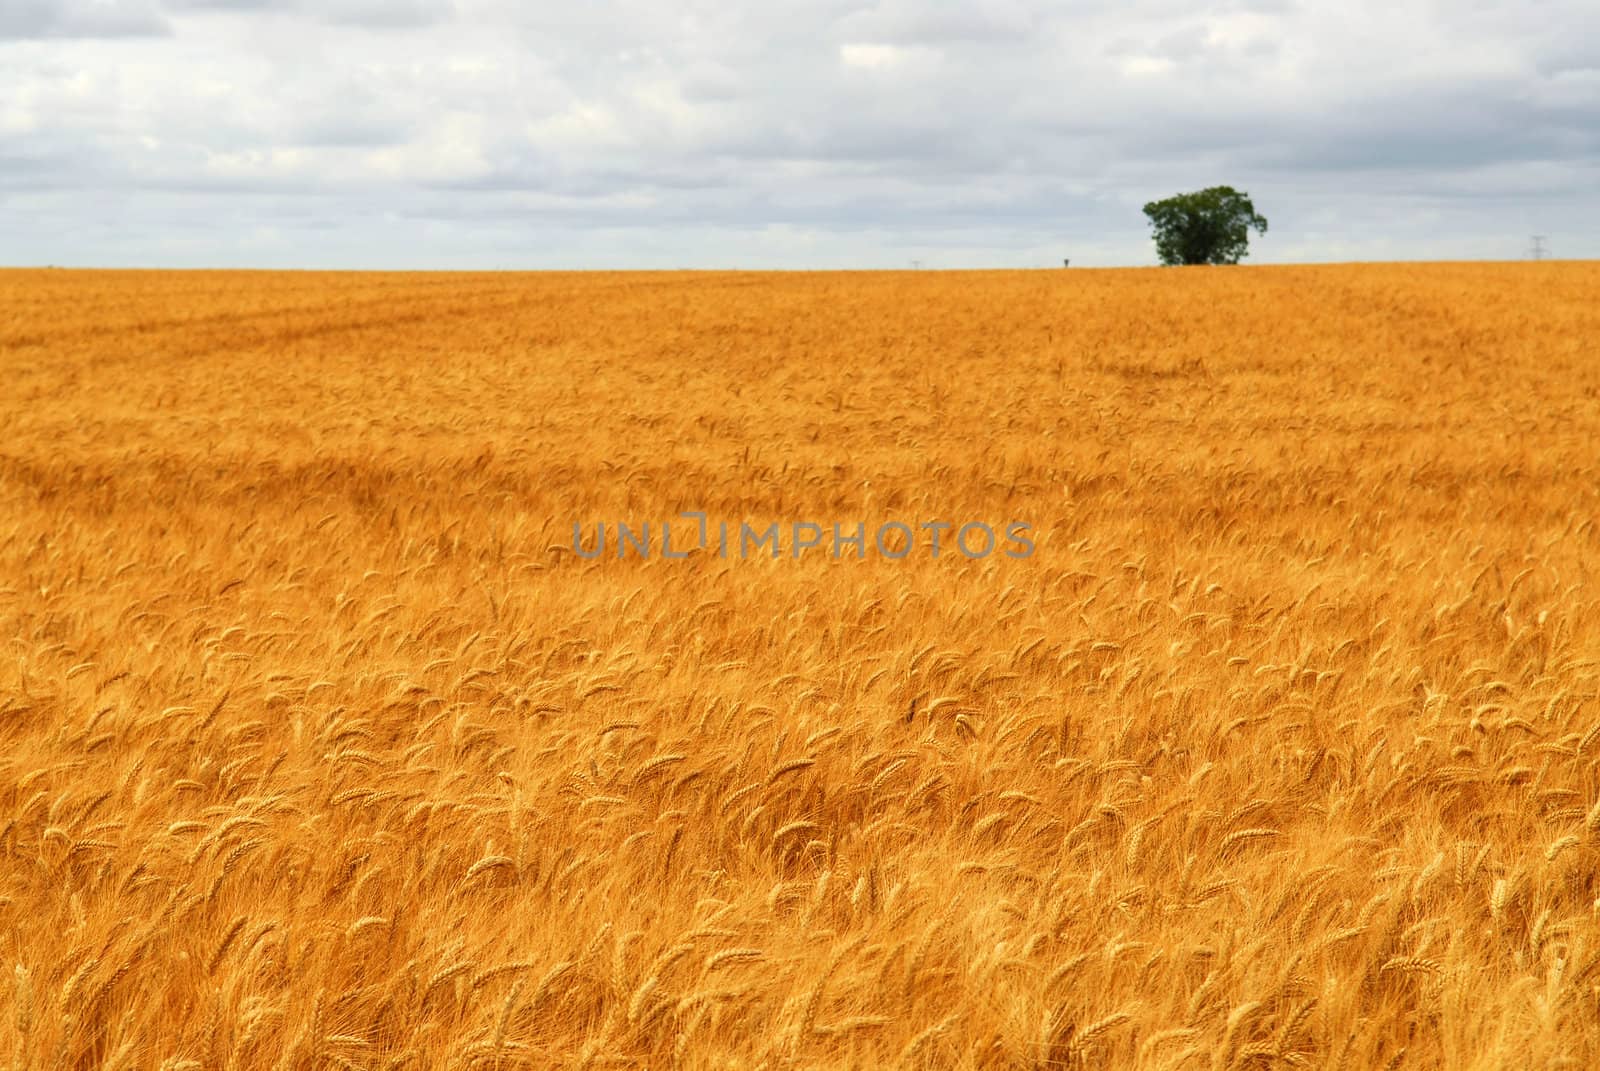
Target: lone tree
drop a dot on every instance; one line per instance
(1208, 227)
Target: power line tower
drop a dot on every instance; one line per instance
(1537, 251)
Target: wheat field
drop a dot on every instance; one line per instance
(321, 746)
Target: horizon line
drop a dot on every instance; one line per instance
(921, 270)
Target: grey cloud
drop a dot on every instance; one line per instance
(41, 19)
(376, 14)
(335, 131)
(34, 170)
(1580, 52)
(1474, 127)
(995, 22)
(385, 13)
(232, 5)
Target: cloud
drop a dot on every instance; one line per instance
(39, 19)
(981, 24)
(628, 130)
(376, 14)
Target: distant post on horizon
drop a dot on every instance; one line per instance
(1066, 262)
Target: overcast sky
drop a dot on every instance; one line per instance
(833, 133)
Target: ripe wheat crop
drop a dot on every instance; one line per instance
(321, 747)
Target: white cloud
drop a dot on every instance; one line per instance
(879, 57)
(1141, 66)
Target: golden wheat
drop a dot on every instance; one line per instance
(322, 746)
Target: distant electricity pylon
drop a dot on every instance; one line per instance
(1537, 251)
(916, 264)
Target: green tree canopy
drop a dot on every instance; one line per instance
(1211, 226)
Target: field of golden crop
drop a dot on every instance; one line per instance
(321, 748)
